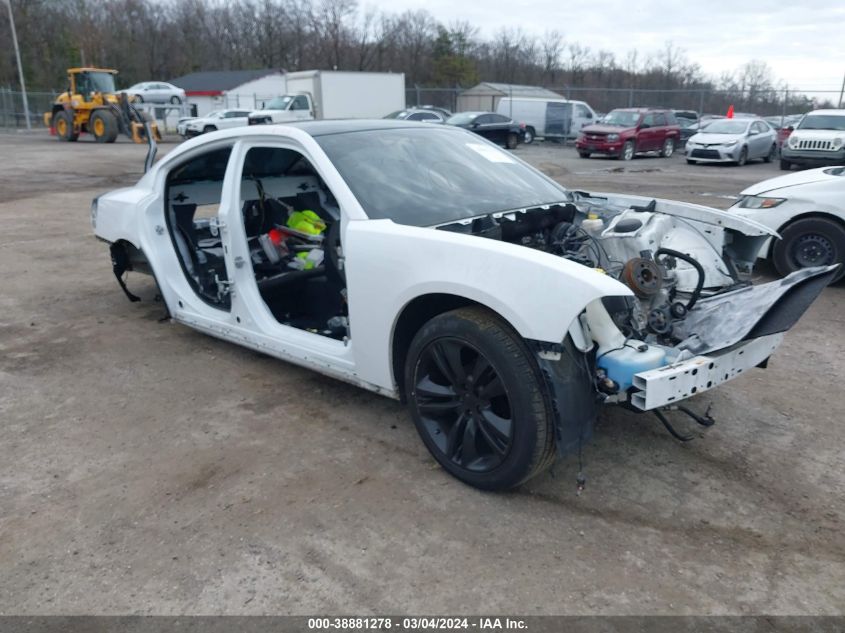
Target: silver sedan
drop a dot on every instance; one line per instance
(733, 141)
(156, 92)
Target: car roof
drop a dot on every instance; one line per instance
(829, 112)
(640, 110)
(341, 126)
(312, 128)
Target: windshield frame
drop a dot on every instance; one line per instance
(100, 80)
(745, 123)
(840, 119)
(284, 101)
(633, 118)
(475, 177)
(463, 118)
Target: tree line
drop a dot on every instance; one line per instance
(163, 39)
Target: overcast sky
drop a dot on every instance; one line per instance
(803, 41)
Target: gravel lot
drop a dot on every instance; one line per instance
(146, 468)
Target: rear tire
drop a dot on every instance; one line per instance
(768, 158)
(103, 126)
(63, 124)
(478, 401)
(529, 136)
(785, 165)
(810, 242)
(668, 148)
(512, 141)
(175, 100)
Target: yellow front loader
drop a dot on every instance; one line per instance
(91, 104)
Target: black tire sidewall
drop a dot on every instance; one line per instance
(511, 361)
(832, 230)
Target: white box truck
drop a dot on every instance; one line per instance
(331, 94)
(547, 118)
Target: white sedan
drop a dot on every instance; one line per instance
(732, 141)
(156, 92)
(213, 121)
(807, 209)
(427, 264)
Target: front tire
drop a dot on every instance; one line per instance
(810, 242)
(743, 157)
(103, 126)
(785, 165)
(668, 148)
(512, 141)
(584, 154)
(209, 128)
(691, 162)
(477, 399)
(628, 151)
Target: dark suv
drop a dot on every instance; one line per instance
(628, 131)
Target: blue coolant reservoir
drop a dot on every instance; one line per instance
(621, 364)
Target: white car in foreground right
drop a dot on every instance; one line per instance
(807, 209)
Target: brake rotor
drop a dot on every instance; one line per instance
(642, 276)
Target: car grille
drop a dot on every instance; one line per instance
(814, 144)
(705, 153)
(595, 137)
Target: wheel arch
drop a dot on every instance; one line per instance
(416, 313)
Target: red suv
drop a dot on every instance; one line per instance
(628, 131)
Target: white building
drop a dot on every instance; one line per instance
(218, 89)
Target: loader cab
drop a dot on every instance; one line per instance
(85, 81)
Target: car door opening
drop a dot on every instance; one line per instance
(192, 202)
(292, 227)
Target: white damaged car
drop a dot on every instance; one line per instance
(427, 264)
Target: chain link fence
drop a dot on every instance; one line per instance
(763, 103)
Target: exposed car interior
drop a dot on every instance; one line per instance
(193, 199)
(292, 226)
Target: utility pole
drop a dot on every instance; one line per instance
(842, 91)
(20, 66)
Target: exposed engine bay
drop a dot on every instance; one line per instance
(688, 268)
(669, 263)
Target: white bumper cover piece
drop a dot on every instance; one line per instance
(672, 383)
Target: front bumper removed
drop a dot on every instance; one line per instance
(729, 333)
(668, 385)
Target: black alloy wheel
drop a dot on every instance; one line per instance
(478, 399)
(463, 404)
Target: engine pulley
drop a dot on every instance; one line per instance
(643, 276)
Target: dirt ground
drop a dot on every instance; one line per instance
(146, 468)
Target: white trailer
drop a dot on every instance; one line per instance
(330, 94)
